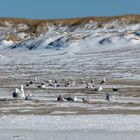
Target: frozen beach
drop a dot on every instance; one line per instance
(48, 119)
(69, 127)
(81, 52)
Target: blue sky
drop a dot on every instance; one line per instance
(44, 9)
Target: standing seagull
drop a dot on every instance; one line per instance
(15, 93)
(73, 84)
(92, 83)
(19, 93)
(22, 95)
(88, 85)
(83, 82)
(103, 82)
(56, 84)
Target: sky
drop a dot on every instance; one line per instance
(50, 9)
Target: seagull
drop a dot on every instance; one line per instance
(61, 99)
(115, 89)
(22, 95)
(98, 88)
(28, 97)
(19, 93)
(86, 100)
(71, 99)
(88, 85)
(30, 83)
(42, 85)
(67, 84)
(109, 97)
(73, 83)
(93, 83)
(16, 93)
(83, 82)
(50, 83)
(103, 82)
(56, 84)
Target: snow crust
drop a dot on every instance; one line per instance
(72, 122)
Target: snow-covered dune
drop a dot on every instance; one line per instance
(100, 46)
(114, 32)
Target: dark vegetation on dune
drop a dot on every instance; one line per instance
(34, 23)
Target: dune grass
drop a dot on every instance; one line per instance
(36, 26)
(70, 21)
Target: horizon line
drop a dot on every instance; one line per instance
(80, 17)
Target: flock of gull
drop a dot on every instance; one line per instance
(19, 93)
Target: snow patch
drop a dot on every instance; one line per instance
(5, 43)
(52, 123)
